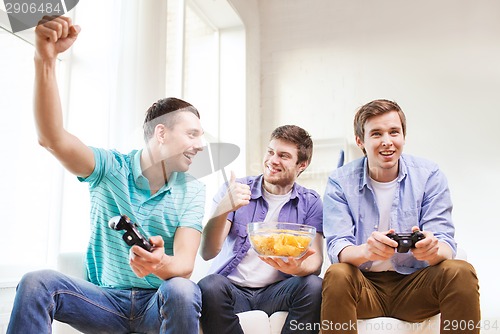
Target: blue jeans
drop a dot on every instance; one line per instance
(222, 300)
(46, 295)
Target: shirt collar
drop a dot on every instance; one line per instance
(141, 181)
(401, 172)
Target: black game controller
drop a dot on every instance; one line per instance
(406, 240)
(132, 236)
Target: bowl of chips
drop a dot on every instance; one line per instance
(280, 239)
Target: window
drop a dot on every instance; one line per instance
(205, 65)
(45, 209)
(28, 174)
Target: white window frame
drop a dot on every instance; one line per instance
(229, 105)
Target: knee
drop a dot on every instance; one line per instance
(460, 271)
(36, 282)
(215, 288)
(180, 291)
(339, 273)
(312, 285)
(213, 285)
(341, 279)
(459, 282)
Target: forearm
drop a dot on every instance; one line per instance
(157, 262)
(213, 236)
(47, 104)
(353, 255)
(174, 266)
(444, 253)
(75, 156)
(311, 266)
(52, 38)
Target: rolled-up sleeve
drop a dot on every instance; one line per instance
(435, 215)
(338, 224)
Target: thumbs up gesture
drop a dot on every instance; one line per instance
(237, 195)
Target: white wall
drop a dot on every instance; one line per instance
(440, 60)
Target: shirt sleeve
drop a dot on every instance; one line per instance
(315, 213)
(105, 161)
(194, 209)
(435, 215)
(338, 224)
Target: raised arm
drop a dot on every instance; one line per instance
(217, 227)
(54, 36)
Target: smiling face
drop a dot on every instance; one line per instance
(280, 166)
(383, 143)
(180, 143)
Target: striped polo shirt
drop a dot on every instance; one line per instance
(118, 187)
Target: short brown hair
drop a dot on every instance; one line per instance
(162, 107)
(375, 108)
(298, 136)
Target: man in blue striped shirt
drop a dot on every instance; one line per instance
(128, 289)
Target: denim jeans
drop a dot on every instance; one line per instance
(222, 300)
(46, 295)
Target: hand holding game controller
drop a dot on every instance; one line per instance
(132, 236)
(406, 240)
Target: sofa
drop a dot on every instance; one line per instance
(258, 322)
(73, 263)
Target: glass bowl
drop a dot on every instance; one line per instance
(280, 239)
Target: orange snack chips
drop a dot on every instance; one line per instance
(280, 243)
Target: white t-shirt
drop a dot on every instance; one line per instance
(252, 271)
(384, 196)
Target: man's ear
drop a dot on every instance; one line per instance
(360, 143)
(160, 131)
(303, 165)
